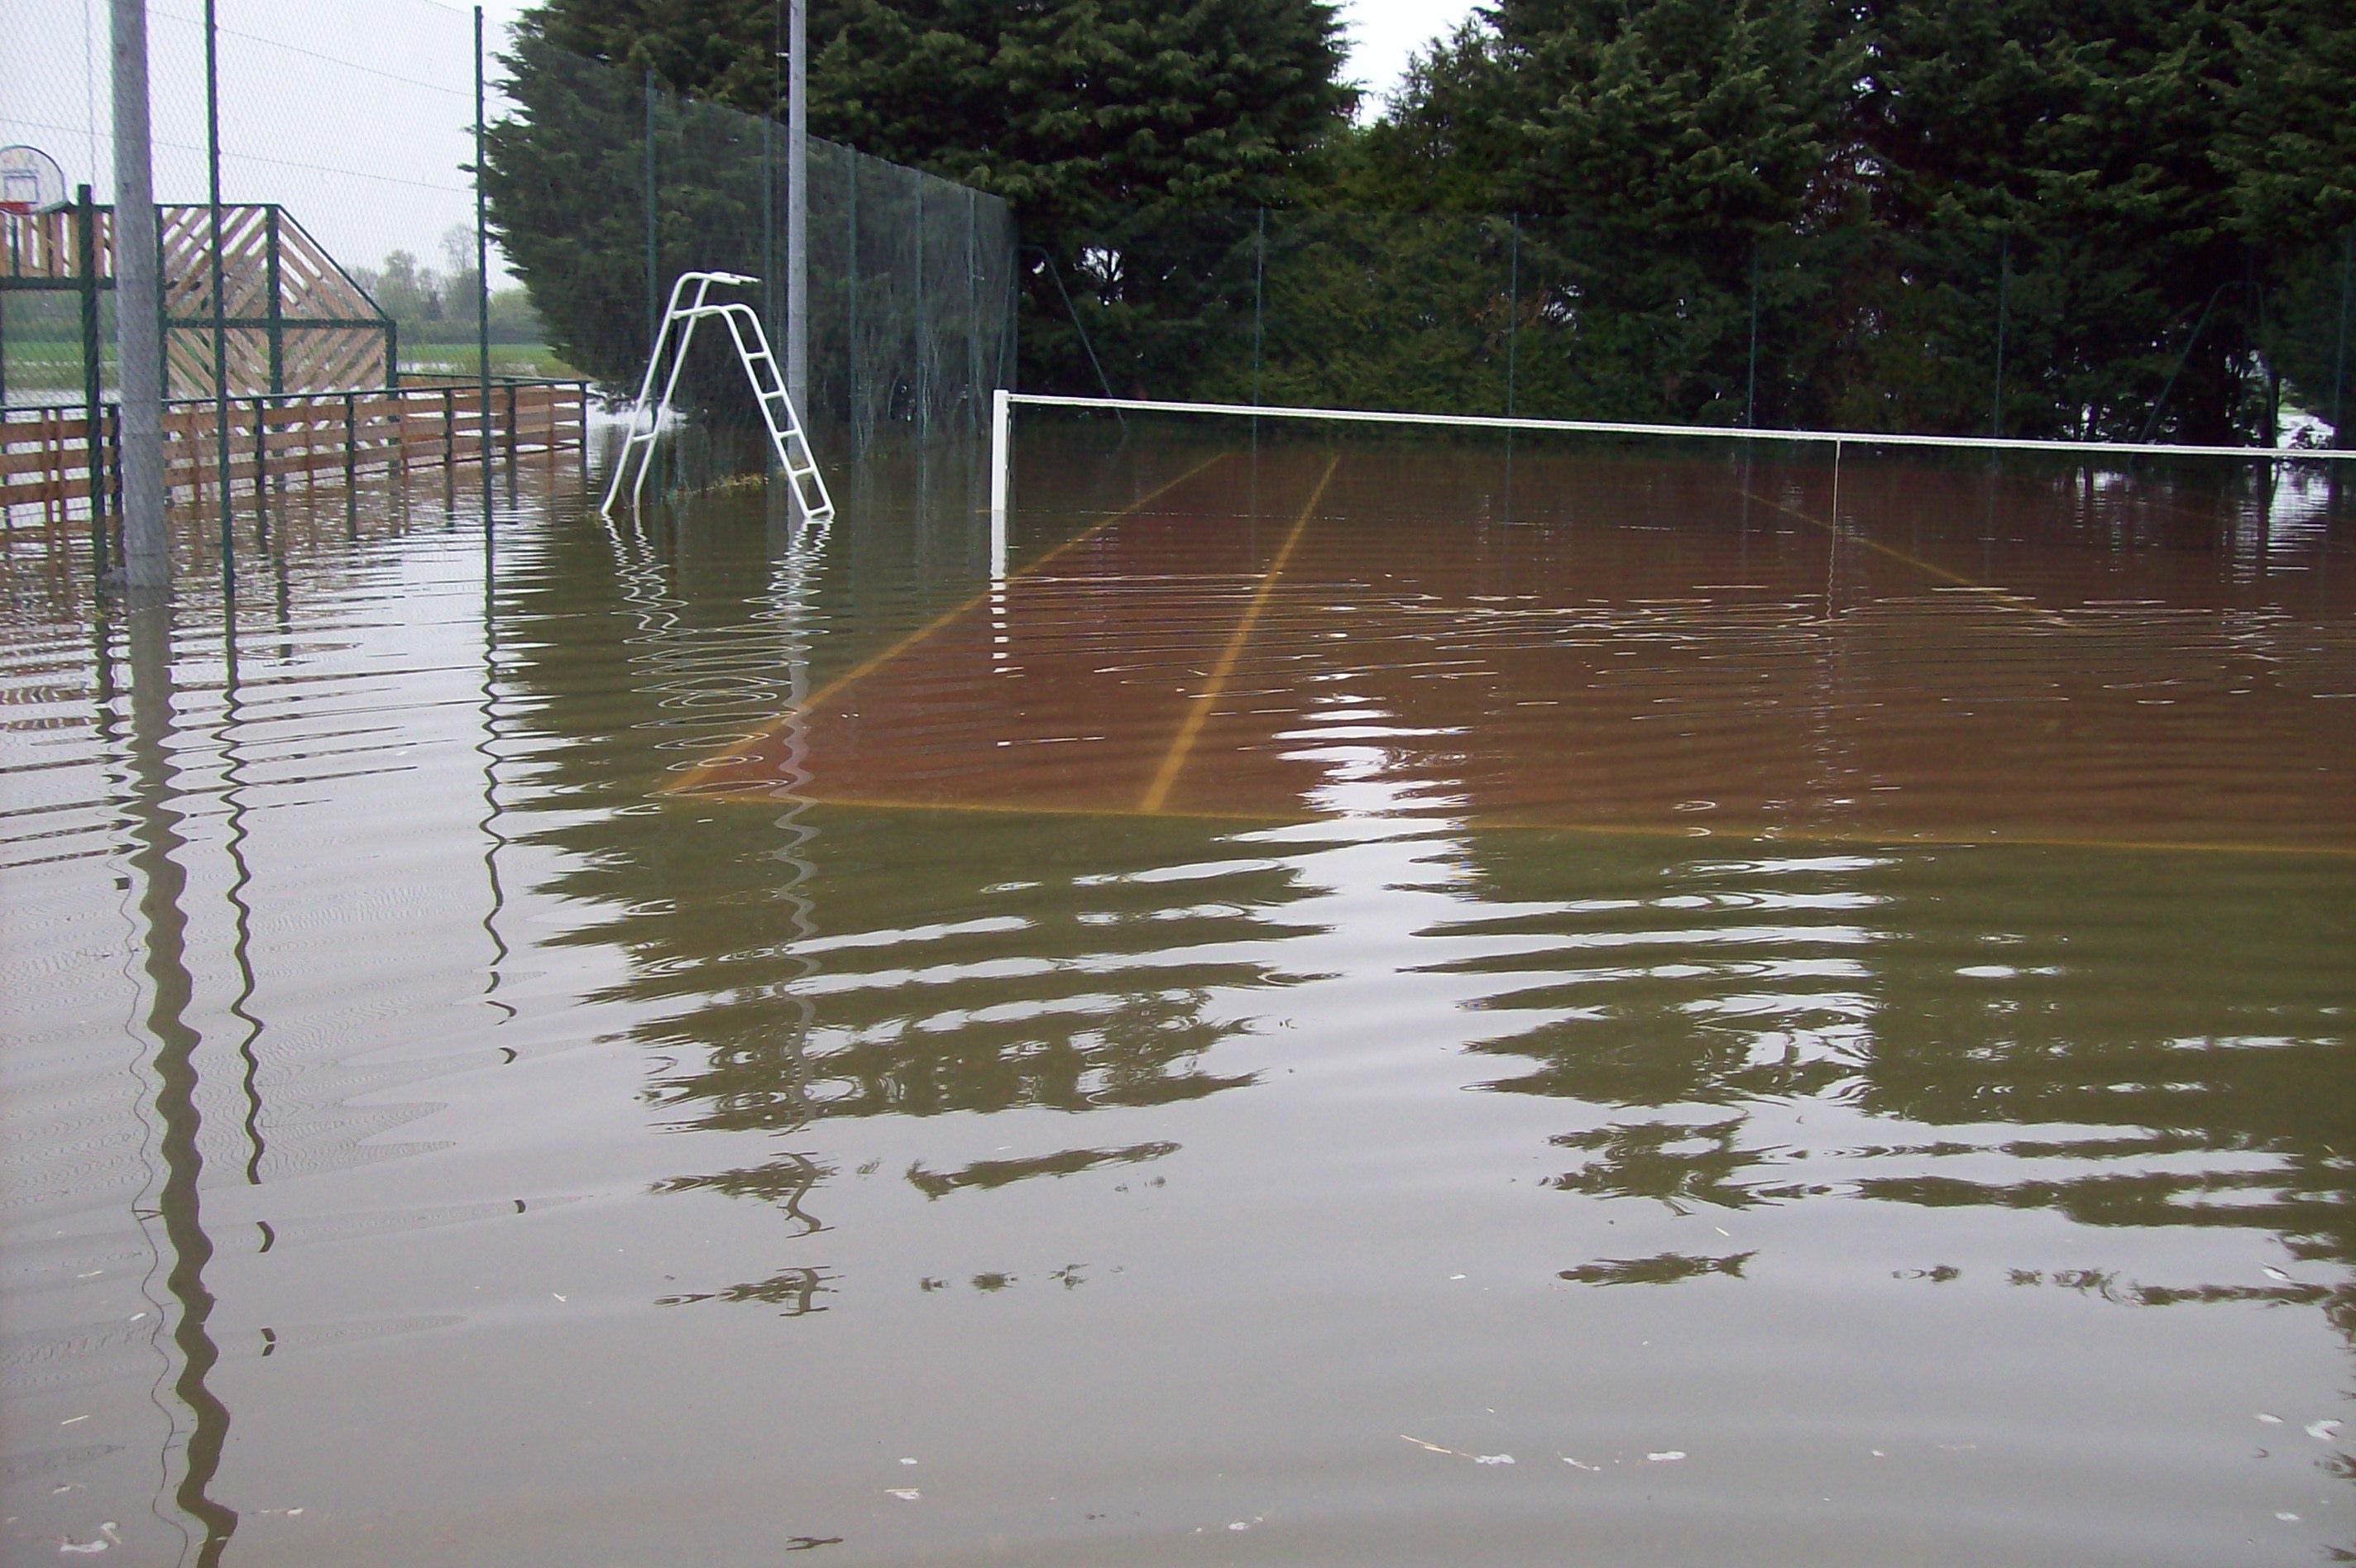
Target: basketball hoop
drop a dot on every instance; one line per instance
(30, 180)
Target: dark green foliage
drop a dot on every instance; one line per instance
(2107, 174)
(1794, 211)
(1083, 113)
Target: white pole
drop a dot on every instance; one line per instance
(1001, 419)
(797, 204)
(138, 310)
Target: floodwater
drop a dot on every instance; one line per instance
(1350, 1010)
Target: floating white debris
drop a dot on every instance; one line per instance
(1590, 1469)
(1239, 1524)
(1667, 1456)
(2274, 1272)
(1493, 1458)
(2288, 1517)
(2270, 1420)
(106, 1538)
(1456, 1277)
(905, 1494)
(2322, 1430)
(907, 1461)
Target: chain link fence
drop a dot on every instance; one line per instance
(1951, 333)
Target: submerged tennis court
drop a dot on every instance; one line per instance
(1760, 639)
(1324, 995)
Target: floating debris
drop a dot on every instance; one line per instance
(2322, 1431)
(1461, 1454)
(1666, 1457)
(905, 1494)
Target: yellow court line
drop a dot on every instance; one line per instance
(1803, 837)
(1199, 706)
(2021, 601)
(867, 666)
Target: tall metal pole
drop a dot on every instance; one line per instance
(2003, 290)
(2339, 363)
(220, 313)
(797, 204)
(772, 289)
(1259, 283)
(1750, 390)
(1513, 311)
(653, 298)
(138, 310)
(482, 280)
(86, 264)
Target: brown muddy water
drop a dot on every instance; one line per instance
(1353, 1009)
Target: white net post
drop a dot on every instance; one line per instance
(1001, 457)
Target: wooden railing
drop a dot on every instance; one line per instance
(45, 452)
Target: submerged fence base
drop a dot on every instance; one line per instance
(45, 452)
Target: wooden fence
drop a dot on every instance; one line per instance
(45, 452)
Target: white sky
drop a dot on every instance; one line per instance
(354, 113)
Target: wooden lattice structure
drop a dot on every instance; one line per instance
(292, 319)
(295, 321)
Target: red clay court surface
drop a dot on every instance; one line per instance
(1669, 647)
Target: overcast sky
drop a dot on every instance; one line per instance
(354, 113)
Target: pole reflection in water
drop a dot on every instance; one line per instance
(786, 1178)
(494, 839)
(158, 843)
(233, 797)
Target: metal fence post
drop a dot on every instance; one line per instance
(797, 204)
(86, 263)
(1259, 285)
(2340, 361)
(260, 466)
(1513, 308)
(653, 307)
(351, 461)
(1751, 384)
(482, 280)
(2003, 292)
(923, 321)
(277, 312)
(851, 305)
(972, 321)
(220, 301)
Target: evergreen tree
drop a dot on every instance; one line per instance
(1082, 114)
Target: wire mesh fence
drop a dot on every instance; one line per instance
(350, 126)
(606, 186)
(1941, 332)
(352, 122)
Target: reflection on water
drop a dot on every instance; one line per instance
(537, 1161)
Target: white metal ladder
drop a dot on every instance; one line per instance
(777, 411)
